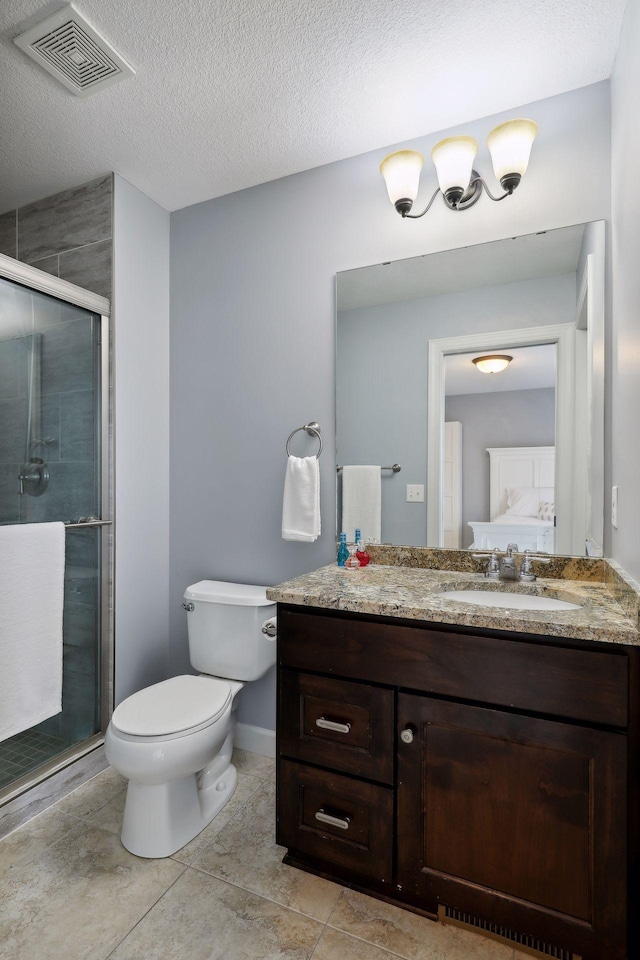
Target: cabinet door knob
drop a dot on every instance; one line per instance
(407, 734)
(341, 822)
(333, 725)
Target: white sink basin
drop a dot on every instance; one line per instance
(508, 601)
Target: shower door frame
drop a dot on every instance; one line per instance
(34, 279)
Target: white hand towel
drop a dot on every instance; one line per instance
(361, 501)
(31, 602)
(301, 502)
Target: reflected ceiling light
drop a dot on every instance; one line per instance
(492, 363)
(461, 186)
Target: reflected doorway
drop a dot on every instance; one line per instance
(499, 450)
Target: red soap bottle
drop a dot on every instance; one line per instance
(362, 555)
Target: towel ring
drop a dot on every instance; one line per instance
(313, 429)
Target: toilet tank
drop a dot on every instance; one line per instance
(225, 629)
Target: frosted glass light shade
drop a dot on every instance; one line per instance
(494, 363)
(401, 172)
(453, 159)
(510, 148)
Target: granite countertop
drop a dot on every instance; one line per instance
(413, 593)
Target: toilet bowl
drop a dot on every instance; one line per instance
(174, 740)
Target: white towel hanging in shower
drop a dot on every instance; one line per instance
(32, 557)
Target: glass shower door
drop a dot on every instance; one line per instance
(51, 470)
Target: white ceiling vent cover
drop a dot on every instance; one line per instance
(69, 48)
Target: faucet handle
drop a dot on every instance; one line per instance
(526, 571)
(493, 568)
(528, 555)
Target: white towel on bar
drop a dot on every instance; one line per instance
(361, 502)
(301, 501)
(31, 603)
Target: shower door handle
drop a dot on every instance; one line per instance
(87, 523)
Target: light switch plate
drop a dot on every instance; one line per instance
(415, 493)
(614, 507)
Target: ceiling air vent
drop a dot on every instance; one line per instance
(68, 48)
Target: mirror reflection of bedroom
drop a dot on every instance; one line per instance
(499, 459)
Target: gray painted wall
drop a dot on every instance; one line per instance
(514, 418)
(252, 333)
(382, 377)
(624, 286)
(141, 373)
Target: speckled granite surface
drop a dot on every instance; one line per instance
(624, 588)
(414, 593)
(462, 561)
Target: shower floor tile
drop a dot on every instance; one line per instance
(26, 751)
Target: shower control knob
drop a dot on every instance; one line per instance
(408, 734)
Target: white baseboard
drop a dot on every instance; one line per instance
(256, 739)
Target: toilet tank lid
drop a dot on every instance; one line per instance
(218, 591)
(172, 706)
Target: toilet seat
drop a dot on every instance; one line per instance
(172, 708)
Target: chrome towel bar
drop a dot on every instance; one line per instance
(396, 468)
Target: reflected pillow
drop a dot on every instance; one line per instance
(546, 510)
(523, 501)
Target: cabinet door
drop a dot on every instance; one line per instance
(517, 820)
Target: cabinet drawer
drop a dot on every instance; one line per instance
(342, 725)
(337, 819)
(529, 674)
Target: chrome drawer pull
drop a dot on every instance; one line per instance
(333, 821)
(333, 725)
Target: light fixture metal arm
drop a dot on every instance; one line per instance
(416, 216)
(479, 180)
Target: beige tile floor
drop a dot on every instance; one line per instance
(70, 891)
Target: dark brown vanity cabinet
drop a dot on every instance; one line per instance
(448, 769)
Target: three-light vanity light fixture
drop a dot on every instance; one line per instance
(461, 186)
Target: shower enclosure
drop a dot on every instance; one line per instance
(54, 466)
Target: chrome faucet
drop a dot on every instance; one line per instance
(504, 569)
(508, 568)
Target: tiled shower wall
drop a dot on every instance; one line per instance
(68, 235)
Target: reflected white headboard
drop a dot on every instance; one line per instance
(519, 467)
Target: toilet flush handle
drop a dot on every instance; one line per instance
(188, 607)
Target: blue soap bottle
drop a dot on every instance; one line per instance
(343, 550)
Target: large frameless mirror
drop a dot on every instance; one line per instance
(491, 451)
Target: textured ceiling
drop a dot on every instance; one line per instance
(231, 93)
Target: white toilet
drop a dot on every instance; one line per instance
(174, 740)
